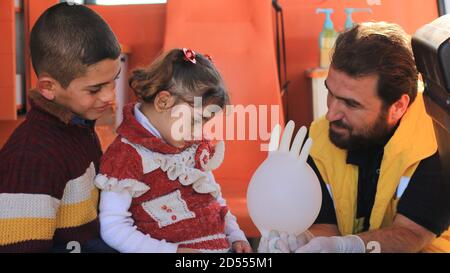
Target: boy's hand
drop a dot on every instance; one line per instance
(241, 247)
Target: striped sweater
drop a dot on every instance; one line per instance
(47, 169)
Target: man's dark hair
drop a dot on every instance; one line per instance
(66, 39)
(381, 49)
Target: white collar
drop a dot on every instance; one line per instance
(143, 120)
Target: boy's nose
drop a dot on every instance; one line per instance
(109, 94)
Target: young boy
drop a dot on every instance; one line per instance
(48, 165)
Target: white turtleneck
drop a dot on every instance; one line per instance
(144, 121)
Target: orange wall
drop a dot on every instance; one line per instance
(8, 61)
(33, 10)
(142, 28)
(303, 25)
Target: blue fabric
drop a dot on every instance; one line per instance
(93, 246)
(76, 120)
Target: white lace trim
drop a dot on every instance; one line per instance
(205, 239)
(135, 187)
(177, 166)
(223, 250)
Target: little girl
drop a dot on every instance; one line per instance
(158, 192)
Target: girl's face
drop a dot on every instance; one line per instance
(185, 124)
(178, 122)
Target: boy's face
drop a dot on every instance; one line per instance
(90, 95)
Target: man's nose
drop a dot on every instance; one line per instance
(334, 112)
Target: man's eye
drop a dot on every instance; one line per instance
(350, 105)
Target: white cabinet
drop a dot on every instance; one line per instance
(317, 78)
(121, 89)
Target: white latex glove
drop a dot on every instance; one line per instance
(266, 244)
(335, 244)
(284, 192)
(283, 242)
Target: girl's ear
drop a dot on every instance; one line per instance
(164, 101)
(47, 87)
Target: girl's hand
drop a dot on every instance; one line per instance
(241, 247)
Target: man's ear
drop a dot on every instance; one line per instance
(164, 101)
(47, 87)
(398, 108)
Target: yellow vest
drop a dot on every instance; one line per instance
(413, 141)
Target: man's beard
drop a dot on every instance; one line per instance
(373, 136)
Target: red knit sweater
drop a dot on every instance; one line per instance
(173, 199)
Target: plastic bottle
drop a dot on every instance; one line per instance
(327, 38)
(349, 11)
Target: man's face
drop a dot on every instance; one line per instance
(355, 112)
(90, 95)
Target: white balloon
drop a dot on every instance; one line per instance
(284, 194)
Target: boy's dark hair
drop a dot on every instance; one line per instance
(182, 78)
(381, 49)
(66, 39)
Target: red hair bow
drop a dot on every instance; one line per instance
(207, 56)
(189, 55)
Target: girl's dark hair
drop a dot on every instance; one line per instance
(173, 73)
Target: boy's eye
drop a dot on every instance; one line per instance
(94, 90)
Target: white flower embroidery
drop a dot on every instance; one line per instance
(168, 209)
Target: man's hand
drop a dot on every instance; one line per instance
(334, 244)
(404, 235)
(241, 247)
(283, 242)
